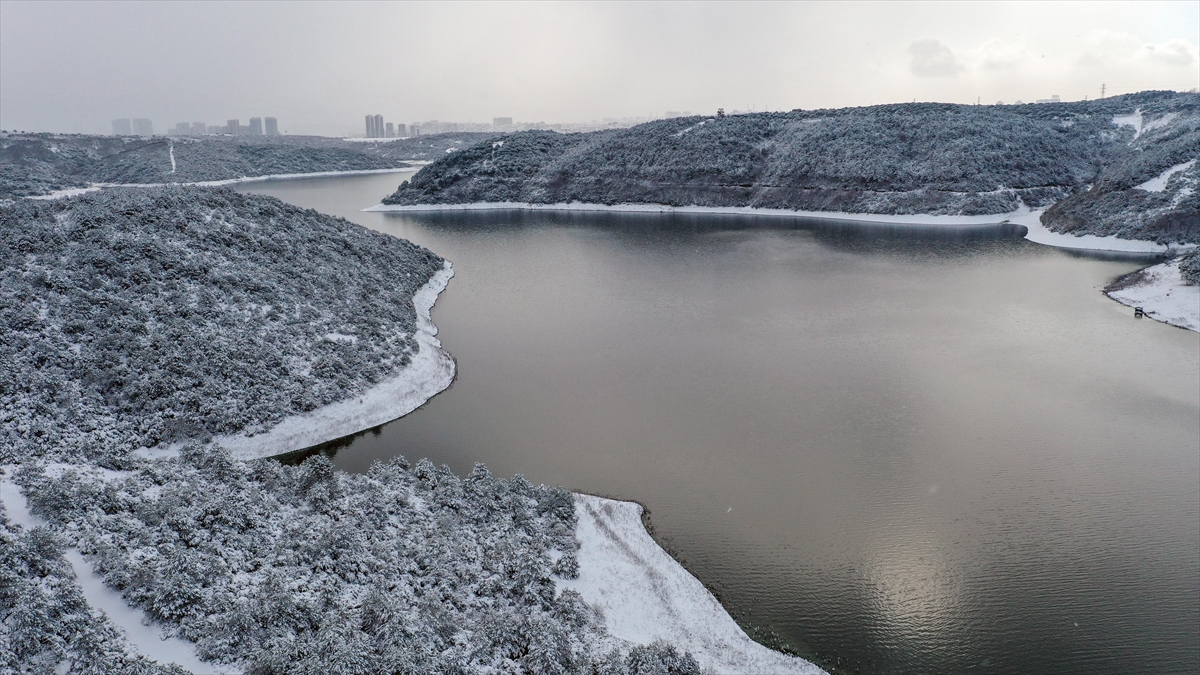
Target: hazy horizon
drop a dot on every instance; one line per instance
(319, 67)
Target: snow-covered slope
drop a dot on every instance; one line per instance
(647, 596)
(909, 159)
(1162, 293)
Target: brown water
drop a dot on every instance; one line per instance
(895, 453)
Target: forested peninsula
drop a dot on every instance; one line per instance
(135, 317)
(1117, 166)
(34, 164)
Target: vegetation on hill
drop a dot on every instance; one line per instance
(906, 158)
(36, 164)
(135, 317)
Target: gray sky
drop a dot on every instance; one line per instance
(319, 67)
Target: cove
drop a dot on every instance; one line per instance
(890, 451)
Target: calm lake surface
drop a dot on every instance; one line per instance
(892, 453)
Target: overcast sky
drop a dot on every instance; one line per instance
(319, 67)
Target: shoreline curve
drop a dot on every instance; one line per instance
(431, 372)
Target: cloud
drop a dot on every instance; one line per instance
(1174, 52)
(931, 58)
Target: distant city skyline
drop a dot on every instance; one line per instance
(73, 67)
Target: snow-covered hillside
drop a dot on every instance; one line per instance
(38, 164)
(140, 317)
(175, 316)
(894, 159)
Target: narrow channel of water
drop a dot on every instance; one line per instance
(894, 452)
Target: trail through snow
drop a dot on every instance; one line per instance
(143, 637)
(171, 150)
(1159, 182)
(1132, 120)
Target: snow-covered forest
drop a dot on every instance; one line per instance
(36, 164)
(308, 570)
(906, 158)
(135, 317)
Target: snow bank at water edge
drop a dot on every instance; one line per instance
(646, 595)
(1031, 219)
(1038, 233)
(143, 638)
(1161, 292)
(911, 219)
(430, 373)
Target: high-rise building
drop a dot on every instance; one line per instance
(216, 130)
(181, 129)
(414, 129)
(143, 127)
(375, 127)
(272, 126)
(198, 128)
(233, 127)
(391, 130)
(122, 127)
(255, 127)
(401, 131)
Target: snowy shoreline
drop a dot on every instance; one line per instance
(431, 372)
(646, 595)
(93, 187)
(1160, 291)
(1029, 218)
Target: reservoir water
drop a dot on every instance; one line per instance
(892, 452)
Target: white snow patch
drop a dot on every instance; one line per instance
(341, 337)
(17, 507)
(1159, 183)
(142, 636)
(1164, 296)
(69, 192)
(431, 372)
(1038, 233)
(171, 150)
(1134, 120)
(679, 134)
(646, 595)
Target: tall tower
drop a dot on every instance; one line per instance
(255, 126)
(272, 126)
(370, 126)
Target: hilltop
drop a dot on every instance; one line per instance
(37, 164)
(1091, 161)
